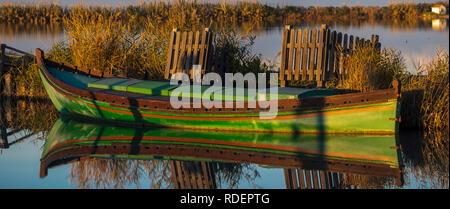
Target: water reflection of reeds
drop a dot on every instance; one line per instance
(31, 31)
(123, 173)
(426, 163)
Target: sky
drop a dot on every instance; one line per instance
(305, 3)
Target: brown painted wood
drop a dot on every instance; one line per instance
(189, 48)
(320, 55)
(283, 54)
(308, 179)
(169, 55)
(298, 52)
(291, 49)
(304, 53)
(287, 178)
(315, 178)
(301, 178)
(312, 54)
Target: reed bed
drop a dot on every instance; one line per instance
(233, 11)
(425, 92)
(426, 95)
(368, 68)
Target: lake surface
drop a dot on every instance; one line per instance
(22, 167)
(79, 154)
(416, 44)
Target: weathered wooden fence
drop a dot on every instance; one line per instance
(311, 179)
(187, 49)
(7, 60)
(317, 54)
(192, 175)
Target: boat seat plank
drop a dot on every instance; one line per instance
(151, 88)
(119, 84)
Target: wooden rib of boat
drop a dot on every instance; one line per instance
(97, 96)
(71, 140)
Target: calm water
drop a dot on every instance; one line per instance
(21, 165)
(77, 154)
(417, 44)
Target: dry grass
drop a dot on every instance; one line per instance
(221, 11)
(106, 43)
(426, 96)
(368, 68)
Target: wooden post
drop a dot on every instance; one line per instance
(2, 52)
(8, 93)
(4, 136)
(3, 126)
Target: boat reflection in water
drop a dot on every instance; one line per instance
(106, 155)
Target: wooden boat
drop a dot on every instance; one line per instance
(97, 96)
(70, 140)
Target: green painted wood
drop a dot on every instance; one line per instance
(323, 121)
(75, 80)
(69, 132)
(119, 84)
(151, 88)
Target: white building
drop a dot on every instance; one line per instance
(439, 9)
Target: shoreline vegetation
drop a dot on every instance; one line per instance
(222, 11)
(135, 39)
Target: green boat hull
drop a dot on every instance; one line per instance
(370, 118)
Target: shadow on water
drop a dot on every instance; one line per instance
(311, 173)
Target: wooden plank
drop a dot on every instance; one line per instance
(345, 44)
(208, 49)
(336, 183)
(182, 58)
(315, 178)
(298, 53)
(287, 178)
(170, 54)
(324, 183)
(325, 54)
(351, 44)
(301, 178)
(197, 175)
(196, 48)
(337, 61)
(308, 179)
(283, 57)
(203, 52)
(291, 48)
(320, 54)
(312, 52)
(294, 178)
(304, 53)
(189, 47)
(210, 60)
(173, 176)
(176, 53)
(19, 51)
(332, 52)
(181, 175)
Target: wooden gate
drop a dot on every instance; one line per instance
(316, 55)
(187, 49)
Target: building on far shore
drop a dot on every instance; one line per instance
(439, 24)
(439, 9)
